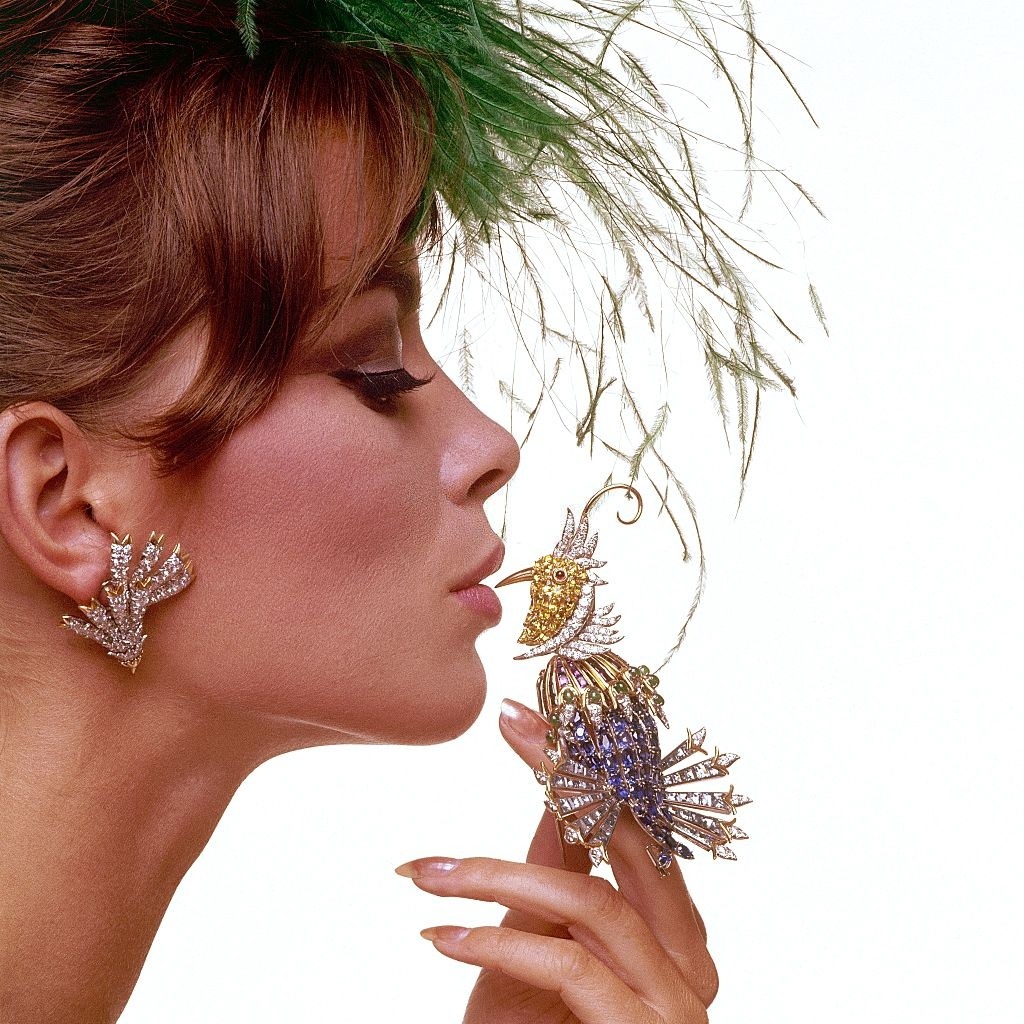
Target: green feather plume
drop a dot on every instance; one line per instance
(541, 107)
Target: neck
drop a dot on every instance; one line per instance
(107, 796)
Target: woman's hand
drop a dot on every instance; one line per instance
(573, 947)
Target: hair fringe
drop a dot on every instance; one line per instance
(184, 194)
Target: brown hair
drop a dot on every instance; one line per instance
(152, 177)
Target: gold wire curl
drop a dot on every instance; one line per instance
(612, 487)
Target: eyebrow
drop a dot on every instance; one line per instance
(404, 283)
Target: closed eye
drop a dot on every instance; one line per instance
(382, 387)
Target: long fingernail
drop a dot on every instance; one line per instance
(445, 933)
(427, 867)
(520, 719)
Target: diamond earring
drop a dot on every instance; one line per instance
(117, 626)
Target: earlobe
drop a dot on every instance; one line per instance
(48, 484)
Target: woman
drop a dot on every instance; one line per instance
(209, 311)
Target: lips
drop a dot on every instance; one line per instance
(488, 565)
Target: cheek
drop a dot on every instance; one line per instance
(321, 590)
(297, 495)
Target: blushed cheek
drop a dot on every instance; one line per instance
(315, 544)
(309, 488)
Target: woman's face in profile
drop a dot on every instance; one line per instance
(328, 534)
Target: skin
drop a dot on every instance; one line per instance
(355, 524)
(574, 947)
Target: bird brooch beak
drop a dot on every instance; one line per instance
(520, 576)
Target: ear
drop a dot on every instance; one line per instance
(49, 479)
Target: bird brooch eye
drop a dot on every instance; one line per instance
(560, 575)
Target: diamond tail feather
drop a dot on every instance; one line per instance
(691, 815)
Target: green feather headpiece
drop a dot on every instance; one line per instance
(541, 109)
(539, 106)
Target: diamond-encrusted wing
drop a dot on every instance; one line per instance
(585, 805)
(605, 752)
(117, 626)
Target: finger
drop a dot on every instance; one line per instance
(665, 903)
(525, 731)
(588, 988)
(591, 908)
(700, 921)
(546, 849)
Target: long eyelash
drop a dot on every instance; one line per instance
(382, 386)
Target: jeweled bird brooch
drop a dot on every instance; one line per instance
(604, 744)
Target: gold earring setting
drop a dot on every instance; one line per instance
(117, 625)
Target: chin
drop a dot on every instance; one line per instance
(461, 707)
(415, 714)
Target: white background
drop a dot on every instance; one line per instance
(858, 641)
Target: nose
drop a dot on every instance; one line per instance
(479, 456)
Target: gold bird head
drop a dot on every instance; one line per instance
(556, 584)
(562, 618)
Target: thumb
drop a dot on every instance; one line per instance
(526, 731)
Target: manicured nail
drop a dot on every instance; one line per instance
(427, 867)
(521, 720)
(445, 933)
